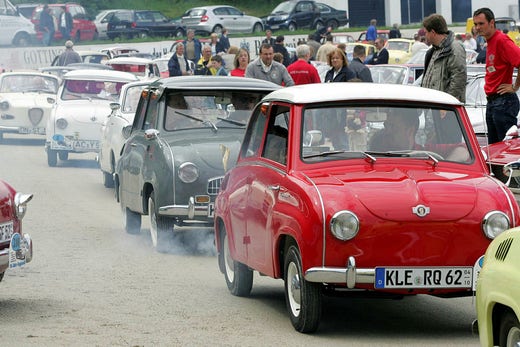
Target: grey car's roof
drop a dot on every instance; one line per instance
(214, 82)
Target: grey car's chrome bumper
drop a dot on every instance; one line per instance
(350, 275)
(191, 210)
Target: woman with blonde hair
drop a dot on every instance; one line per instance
(339, 71)
(241, 61)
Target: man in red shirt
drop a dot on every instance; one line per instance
(501, 58)
(301, 71)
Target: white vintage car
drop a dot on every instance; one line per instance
(26, 100)
(82, 106)
(112, 139)
(143, 68)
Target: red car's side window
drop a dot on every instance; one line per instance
(276, 142)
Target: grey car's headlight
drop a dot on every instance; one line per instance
(344, 225)
(494, 223)
(188, 172)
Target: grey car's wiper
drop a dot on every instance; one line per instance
(190, 116)
(208, 122)
(232, 121)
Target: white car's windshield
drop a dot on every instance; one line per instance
(28, 83)
(87, 89)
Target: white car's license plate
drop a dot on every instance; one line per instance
(6, 230)
(37, 131)
(85, 145)
(439, 277)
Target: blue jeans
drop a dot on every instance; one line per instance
(501, 113)
(47, 37)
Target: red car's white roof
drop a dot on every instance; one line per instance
(330, 92)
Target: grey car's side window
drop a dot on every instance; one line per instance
(150, 121)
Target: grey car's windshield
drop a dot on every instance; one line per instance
(220, 109)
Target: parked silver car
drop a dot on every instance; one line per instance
(208, 19)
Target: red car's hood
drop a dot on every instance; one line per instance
(393, 195)
(503, 152)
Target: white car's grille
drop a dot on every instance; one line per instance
(35, 115)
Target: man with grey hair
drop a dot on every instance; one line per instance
(192, 46)
(301, 71)
(265, 68)
(69, 56)
(357, 64)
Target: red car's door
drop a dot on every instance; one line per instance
(266, 185)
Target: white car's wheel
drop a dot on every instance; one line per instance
(239, 277)
(509, 330)
(108, 180)
(131, 221)
(303, 299)
(63, 155)
(161, 228)
(52, 157)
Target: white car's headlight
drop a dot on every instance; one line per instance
(188, 172)
(344, 225)
(61, 123)
(4, 105)
(494, 223)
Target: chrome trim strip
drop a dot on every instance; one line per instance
(322, 216)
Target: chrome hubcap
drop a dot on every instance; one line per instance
(294, 288)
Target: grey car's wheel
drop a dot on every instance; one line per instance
(303, 299)
(239, 277)
(63, 155)
(131, 221)
(258, 28)
(52, 157)
(509, 330)
(108, 180)
(161, 228)
(217, 29)
(292, 27)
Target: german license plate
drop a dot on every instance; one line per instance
(439, 277)
(85, 145)
(6, 230)
(37, 131)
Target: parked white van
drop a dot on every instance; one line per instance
(16, 29)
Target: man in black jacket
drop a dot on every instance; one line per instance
(381, 56)
(279, 47)
(65, 23)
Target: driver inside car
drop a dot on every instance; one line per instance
(399, 134)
